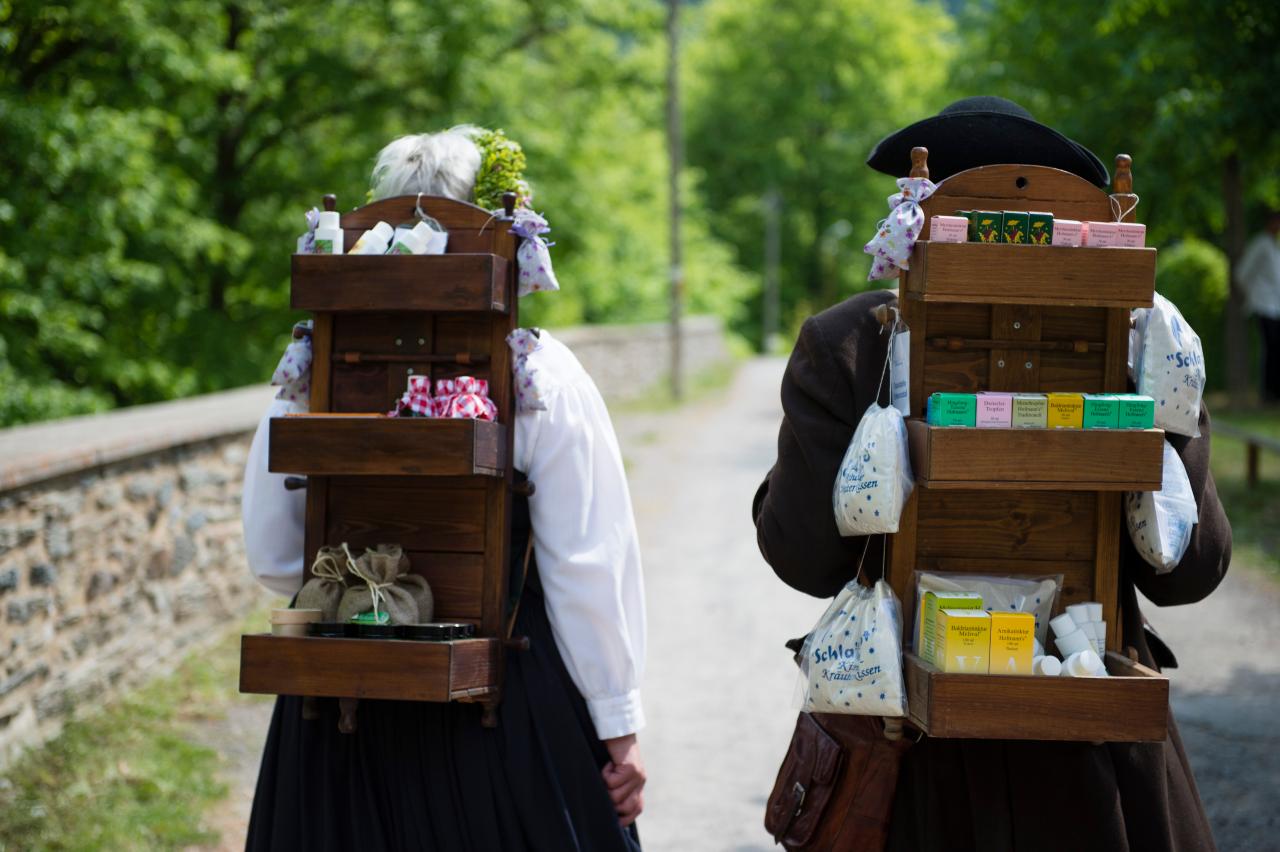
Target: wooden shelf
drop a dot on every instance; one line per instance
(1036, 459)
(369, 668)
(1130, 706)
(433, 282)
(372, 445)
(1032, 275)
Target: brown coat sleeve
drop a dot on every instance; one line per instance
(1209, 553)
(829, 383)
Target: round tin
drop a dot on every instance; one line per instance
(375, 631)
(327, 629)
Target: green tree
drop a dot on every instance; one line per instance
(792, 96)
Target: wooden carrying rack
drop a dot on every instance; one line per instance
(439, 487)
(1025, 318)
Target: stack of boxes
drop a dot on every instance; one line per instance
(957, 635)
(995, 410)
(1031, 228)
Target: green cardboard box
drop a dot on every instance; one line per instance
(1040, 229)
(1013, 226)
(1135, 411)
(1030, 411)
(1101, 411)
(988, 226)
(952, 409)
(968, 214)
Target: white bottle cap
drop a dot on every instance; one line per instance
(1044, 665)
(1074, 643)
(1095, 611)
(1079, 613)
(329, 219)
(1063, 624)
(1082, 664)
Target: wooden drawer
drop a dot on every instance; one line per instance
(369, 668)
(1036, 459)
(373, 445)
(435, 282)
(1130, 706)
(1032, 275)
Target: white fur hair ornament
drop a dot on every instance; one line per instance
(443, 163)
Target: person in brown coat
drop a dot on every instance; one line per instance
(999, 795)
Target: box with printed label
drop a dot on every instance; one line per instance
(952, 409)
(1135, 411)
(963, 638)
(1012, 642)
(1040, 229)
(1066, 411)
(1030, 411)
(988, 226)
(995, 410)
(1013, 225)
(930, 604)
(1101, 411)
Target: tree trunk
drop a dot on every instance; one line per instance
(675, 154)
(1237, 328)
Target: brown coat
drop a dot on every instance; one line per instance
(957, 795)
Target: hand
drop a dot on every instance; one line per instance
(624, 777)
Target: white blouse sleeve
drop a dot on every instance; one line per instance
(274, 519)
(584, 537)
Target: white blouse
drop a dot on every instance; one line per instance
(584, 534)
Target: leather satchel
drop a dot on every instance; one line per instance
(835, 788)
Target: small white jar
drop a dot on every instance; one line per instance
(375, 240)
(329, 233)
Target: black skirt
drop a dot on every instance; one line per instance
(417, 775)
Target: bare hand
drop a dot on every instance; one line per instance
(624, 777)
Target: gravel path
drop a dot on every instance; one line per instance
(719, 683)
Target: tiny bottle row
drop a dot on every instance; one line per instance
(327, 237)
(994, 410)
(1039, 229)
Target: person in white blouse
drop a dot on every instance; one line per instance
(587, 558)
(1259, 276)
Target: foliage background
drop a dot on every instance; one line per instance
(156, 156)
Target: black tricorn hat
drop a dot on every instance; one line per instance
(984, 131)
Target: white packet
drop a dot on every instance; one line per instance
(1169, 366)
(1161, 522)
(874, 480)
(852, 661)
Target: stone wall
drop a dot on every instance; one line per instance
(120, 543)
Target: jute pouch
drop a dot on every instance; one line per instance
(383, 584)
(327, 584)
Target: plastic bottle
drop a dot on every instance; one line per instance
(1045, 665)
(1083, 664)
(329, 233)
(374, 240)
(410, 241)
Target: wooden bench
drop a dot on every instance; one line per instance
(1254, 444)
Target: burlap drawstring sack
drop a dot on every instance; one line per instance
(327, 584)
(387, 586)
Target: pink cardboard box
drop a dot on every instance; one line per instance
(1101, 234)
(1067, 232)
(949, 229)
(1131, 235)
(995, 410)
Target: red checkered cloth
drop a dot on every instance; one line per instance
(416, 401)
(464, 397)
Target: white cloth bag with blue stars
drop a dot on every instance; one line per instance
(1168, 366)
(874, 480)
(852, 661)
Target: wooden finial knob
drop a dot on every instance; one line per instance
(1123, 182)
(509, 203)
(331, 202)
(919, 162)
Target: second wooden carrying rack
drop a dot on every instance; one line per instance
(441, 488)
(1025, 318)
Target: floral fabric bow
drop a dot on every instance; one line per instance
(533, 256)
(897, 234)
(293, 373)
(464, 397)
(416, 401)
(523, 343)
(307, 242)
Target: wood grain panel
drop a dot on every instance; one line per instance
(1071, 459)
(456, 581)
(1088, 324)
(1040, 708)
(361, 388)
(347, 444)
(1035, 525)
(419, 517)
(959, 320)
(1071, 372)
(441, 282)
(954, 372)
(382, 333)
(367, 668)
(1025, 274)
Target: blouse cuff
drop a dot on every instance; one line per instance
(616, 716)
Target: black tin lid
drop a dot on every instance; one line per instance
(425, 632)
(458, 630)
(375, 631)
(327, 629)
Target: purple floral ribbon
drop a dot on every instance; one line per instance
(897, 233)
(293, 374)
(524, 342)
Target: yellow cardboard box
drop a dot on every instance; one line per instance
(1012, 642)
(964, 641)
(1066, 411)
(930, 604)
